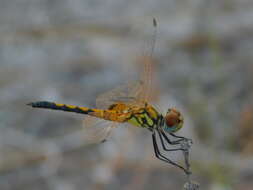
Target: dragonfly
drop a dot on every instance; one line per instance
(130, 103)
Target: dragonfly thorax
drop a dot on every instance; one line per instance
(173, 121)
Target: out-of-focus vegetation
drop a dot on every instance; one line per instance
(71, 51)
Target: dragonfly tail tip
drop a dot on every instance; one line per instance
(30, 104)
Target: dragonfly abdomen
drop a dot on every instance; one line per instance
(110, 115)
(62, 107)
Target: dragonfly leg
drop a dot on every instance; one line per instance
(163, 144)
(162, 157)
(168, 140)
(181, 138)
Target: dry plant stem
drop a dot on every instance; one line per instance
(186, 145)
(189, 185)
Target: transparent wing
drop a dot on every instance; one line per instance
(147, 63)
(137, 92)
(127, 93)
(146, 92)
(132, 93)
(97, 130)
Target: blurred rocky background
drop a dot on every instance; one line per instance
(71, 51)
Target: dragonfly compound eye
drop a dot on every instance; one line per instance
(173, 120)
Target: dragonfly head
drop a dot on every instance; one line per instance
(173, 120)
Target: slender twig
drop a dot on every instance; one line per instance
(185, 146)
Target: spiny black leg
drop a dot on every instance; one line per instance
(168, 140)
(157, 152)
(162, 157)
(172, 134)
(163, 145)
(181, 138)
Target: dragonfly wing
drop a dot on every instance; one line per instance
(97, 130)
(146, 91)
(139, 92)
(128, 93)
(146, 63)
(133, 92)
